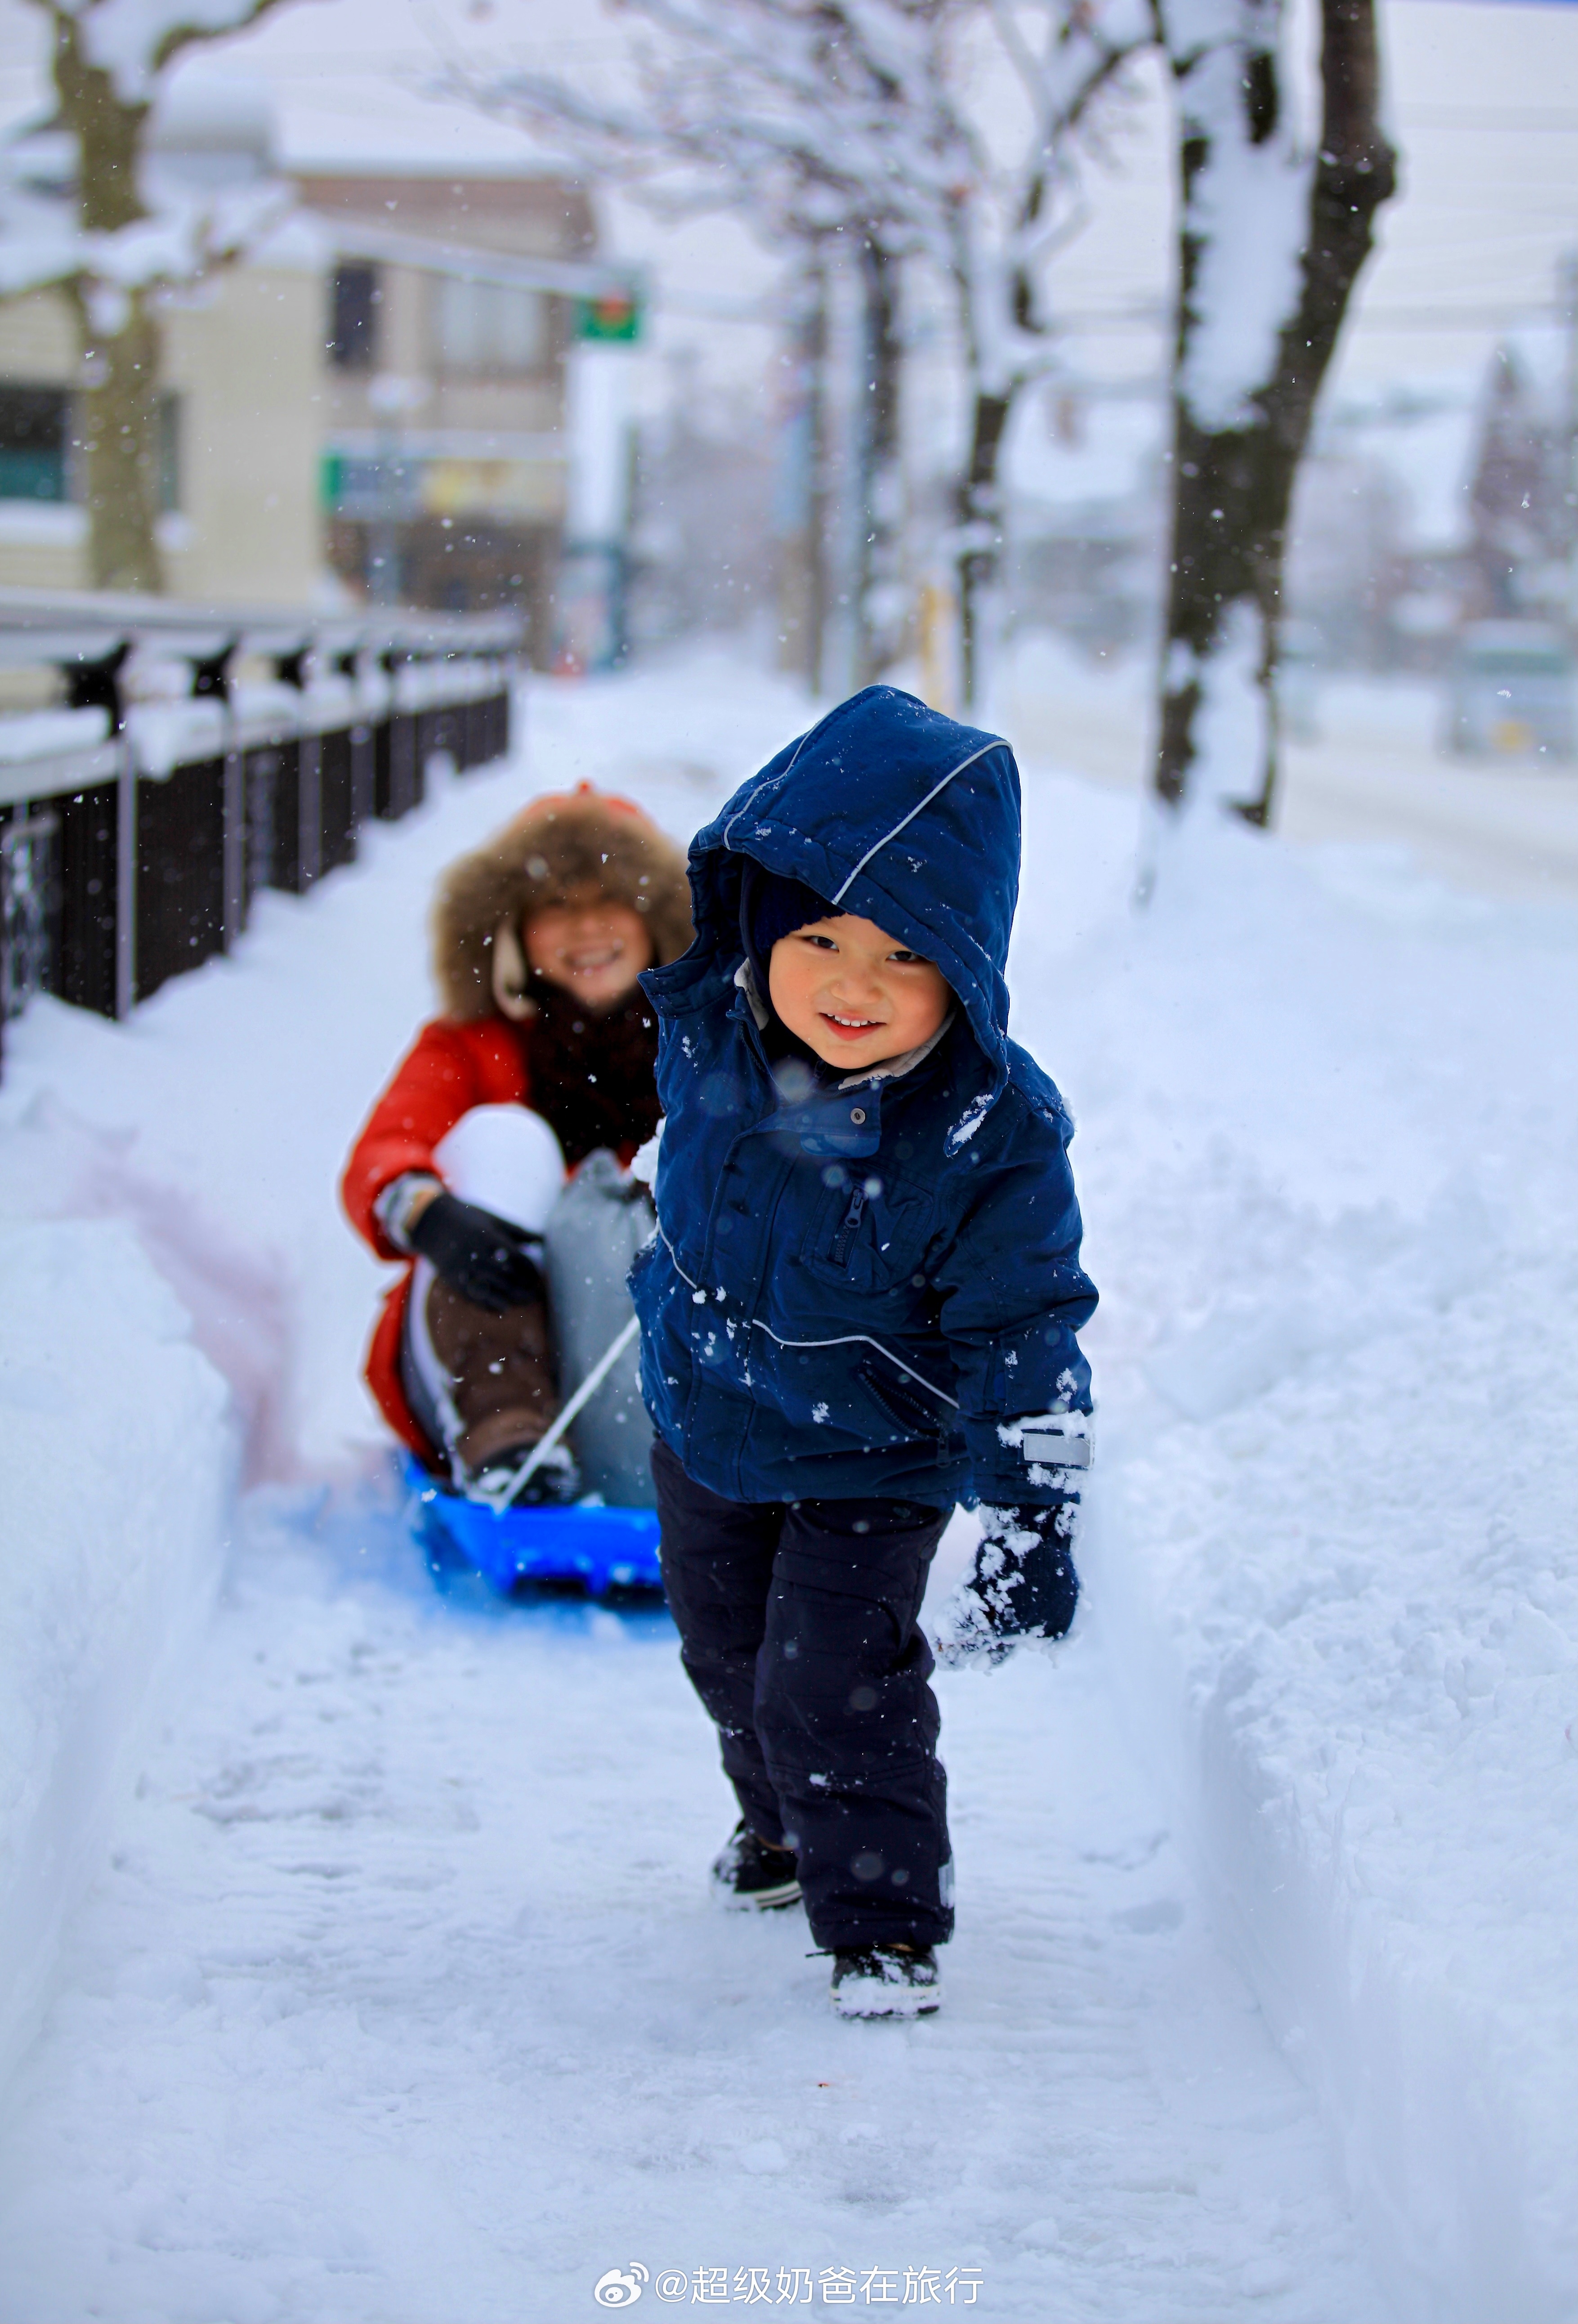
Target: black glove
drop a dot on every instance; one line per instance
(1021, 1586)
(486, 1260)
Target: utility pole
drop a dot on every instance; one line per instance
(1567, 306)
(393, 400)
(802, 588)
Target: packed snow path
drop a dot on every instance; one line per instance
(404, 1998)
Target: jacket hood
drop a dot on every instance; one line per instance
(563, 845)
(896, 815)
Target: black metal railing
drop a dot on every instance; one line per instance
(134, 834)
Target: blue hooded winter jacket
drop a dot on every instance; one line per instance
(862, 1287)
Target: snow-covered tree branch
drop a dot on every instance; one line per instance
(1065, 55)
(820, 124)
(826, 118)
(118, 242)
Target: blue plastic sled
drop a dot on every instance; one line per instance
(604, 1548)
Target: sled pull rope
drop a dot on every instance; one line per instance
(500, 1496)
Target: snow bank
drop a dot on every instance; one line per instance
(1366, 1693)
(1326, 1150)
(115, 1465)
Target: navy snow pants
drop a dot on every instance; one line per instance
(798, 1628)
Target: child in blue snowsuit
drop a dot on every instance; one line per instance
(859, 1309)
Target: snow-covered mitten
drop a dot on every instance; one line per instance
(1022, 1588)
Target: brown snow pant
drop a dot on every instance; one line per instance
(479, 1384)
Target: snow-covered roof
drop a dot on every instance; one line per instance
(211, 129)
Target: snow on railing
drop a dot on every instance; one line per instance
(134, 833)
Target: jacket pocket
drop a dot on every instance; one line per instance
(909, 1408)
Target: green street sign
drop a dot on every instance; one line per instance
(613, 317)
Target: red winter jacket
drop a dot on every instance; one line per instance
(451, 1068)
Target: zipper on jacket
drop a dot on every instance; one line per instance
(845, 1239)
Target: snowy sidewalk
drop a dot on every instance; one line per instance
(404, 1998)
(403, 2001)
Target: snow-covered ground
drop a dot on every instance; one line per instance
(402, 1998)
(395, 1993)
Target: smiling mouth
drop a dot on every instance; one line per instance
(587, 963)
(850, 1028)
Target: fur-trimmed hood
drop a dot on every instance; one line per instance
(559, 847)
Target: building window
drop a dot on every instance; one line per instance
(353, 325)
(35, 434)
(488, 327)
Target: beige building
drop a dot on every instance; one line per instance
(453, 304)
(370, 407)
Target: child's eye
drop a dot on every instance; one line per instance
(824, 942)
(910, 959)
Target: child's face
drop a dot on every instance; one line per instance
(594, 949)
(853, 994)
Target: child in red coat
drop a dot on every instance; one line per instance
(543, 1057)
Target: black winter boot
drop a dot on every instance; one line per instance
(885, 1981)
(555, 1484)
(751, 1877)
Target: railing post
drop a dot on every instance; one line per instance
(362, 746)
(403, 782)
(310, 808)
(126, 882)
(364, 758)
(235, 838)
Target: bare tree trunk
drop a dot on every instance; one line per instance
(120, 445)
(980, 509)
(118, 333)
(880, 579)
(1232, 484)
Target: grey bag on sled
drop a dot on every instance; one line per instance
(597, 1227)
